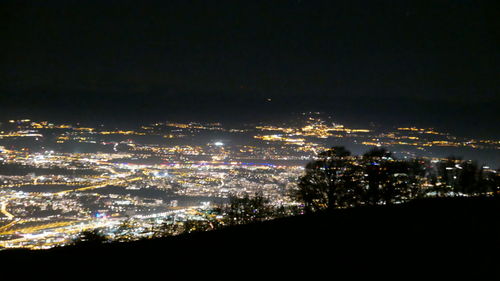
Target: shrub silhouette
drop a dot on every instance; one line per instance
(247, 209)
(90, 237)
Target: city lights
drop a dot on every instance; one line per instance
(50, 191)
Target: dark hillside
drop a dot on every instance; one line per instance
(455, 236)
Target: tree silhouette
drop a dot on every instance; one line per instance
(351, 192)
(191, 226)
(468, 182)
(402, 181)
(489, 182)
(246, 210)
(447, 171)
(377, 173)
(494, 179)
(377, 153)
(90, 237)
(394, 180)
(338, 180)
(326, 181)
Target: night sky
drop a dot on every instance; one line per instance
(428, 63)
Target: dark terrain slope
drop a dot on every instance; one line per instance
(454, 236)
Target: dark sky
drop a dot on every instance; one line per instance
(432, 63)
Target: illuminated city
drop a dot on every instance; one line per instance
(60, 179)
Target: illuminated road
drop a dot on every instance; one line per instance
(32, 229)
(112, 182)
(4, 211)
(47, 232)
(7, 226)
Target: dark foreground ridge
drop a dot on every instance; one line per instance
(453, 235)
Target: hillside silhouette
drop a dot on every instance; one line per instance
(452, 235)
